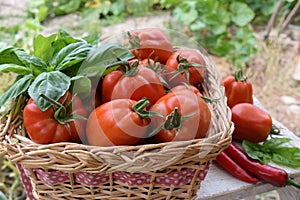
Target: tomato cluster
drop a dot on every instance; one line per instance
(153, 96)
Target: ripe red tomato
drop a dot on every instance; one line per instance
(44, 127)
(116, 123)
(150, 41)
(237, 89)
(184, 59)
(190, 122)
(251, 123)
(134, 84)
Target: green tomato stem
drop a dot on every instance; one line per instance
(239, 76)
(61, 110)
(140, 108)
(173, 120)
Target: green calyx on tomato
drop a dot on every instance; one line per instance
(174, 120)
(62, 111)
(239, 76)
(140, 108)
(183, 66)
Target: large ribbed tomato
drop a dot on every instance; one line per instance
(187, 116)
(117, 122)
(52, 125)
(150, 41)
(190, 63)
(136, 83)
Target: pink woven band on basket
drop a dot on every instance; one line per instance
(172, 179)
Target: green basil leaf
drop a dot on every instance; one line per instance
(288, 156)
(98, 59)
(22, 58)
(9, 56)
(64, 39)
(70, 55)
(256, 152)
(273, 143)
(22, 70)
(52, 84)
(19, 87)
(43, 47)
(271, 150)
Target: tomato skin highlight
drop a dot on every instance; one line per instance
(196, 74)
(42, 128)
(145, 83)
(152, 41)
(251, 123)
(115, 123)
(189, 105)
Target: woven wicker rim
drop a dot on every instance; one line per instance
(71, 157)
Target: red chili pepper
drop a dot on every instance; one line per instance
(267, 173)
(234, 169)
(237, 89)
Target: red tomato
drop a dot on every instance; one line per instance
(191, 121)
(43, 127)
(186, 59)
(251, 123)
(237, 89)
(135, 84)
(150, 41)
(116, 123)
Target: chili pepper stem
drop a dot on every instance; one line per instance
(290, 181)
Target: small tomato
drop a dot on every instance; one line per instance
(237, 89)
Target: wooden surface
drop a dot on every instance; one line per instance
(219, 185)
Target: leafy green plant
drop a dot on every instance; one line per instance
(41, 71)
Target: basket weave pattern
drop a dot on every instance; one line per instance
(152, 160)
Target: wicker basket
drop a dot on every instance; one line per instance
(171, 170)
